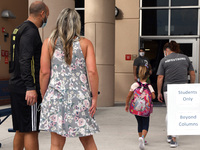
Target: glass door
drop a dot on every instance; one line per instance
(190, 48)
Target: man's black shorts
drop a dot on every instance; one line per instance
(25, 118)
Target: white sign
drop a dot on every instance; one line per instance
(183, 109)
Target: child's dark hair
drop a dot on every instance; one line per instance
(143, 72)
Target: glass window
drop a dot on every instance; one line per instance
(154, 22)
(184, 21)
(81, 13)
(186, 48)
(155, 3)
(184, 2)
(79, 4)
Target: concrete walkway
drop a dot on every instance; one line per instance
(118, 132)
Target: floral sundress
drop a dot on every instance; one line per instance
(66, 103)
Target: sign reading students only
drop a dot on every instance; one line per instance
(183, 109)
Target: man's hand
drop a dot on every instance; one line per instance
(31, 97)
(159, 87)
(150, 72)
(135, 78)
(134, 73)
(160, 98)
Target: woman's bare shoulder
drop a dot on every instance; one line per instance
(85, 42)
(46, 41)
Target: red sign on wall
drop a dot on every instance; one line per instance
(6, 53)
(6, 60)
(2, 53)
(128, 57)
(3, 29)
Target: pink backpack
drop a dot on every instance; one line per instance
(141, 104)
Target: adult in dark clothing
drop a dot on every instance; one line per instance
(24, 77)
(173, 69)
(140, 61)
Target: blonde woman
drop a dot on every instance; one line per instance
(67, 108)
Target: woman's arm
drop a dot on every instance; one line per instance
(45, 67)
(92, 74)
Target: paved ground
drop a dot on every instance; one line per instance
(118, 132)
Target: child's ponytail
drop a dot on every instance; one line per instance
(143, 72)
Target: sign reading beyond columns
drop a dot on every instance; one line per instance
(183, 109)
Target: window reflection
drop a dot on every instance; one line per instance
(184, 21)
(184, 2)
(79, 4)
(186, 48)
(154, 3)
(81, 13)
(154, 22)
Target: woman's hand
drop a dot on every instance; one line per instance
(93, 108)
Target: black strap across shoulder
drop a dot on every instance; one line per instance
(143, 85)
(14, 47)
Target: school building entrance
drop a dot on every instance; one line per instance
(167, 20)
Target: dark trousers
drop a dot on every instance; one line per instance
(143, 123)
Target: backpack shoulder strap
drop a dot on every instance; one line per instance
(21, 29)
(15, 38)
(145, 86)
(14, 47)
(140, 84)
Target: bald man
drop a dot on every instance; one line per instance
(24, 77)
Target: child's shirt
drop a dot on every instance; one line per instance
(135, 85)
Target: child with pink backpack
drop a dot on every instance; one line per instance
(141, 104)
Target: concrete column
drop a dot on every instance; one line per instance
(100, 29)
(55, 8)
(127, 42)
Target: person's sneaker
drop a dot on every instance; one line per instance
(173, 144)
(141, 143)
(169, 139)
(145, 142)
